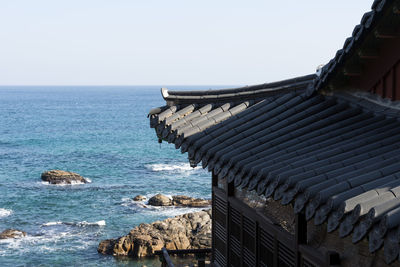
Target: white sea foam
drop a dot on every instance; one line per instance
(83, 223)
(51, 223)
(66, 184)
(161, 167)
(98, 223)
(45, 242)
(5, 212)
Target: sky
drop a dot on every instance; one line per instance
(169, 42)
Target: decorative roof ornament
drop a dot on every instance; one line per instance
(319, 69)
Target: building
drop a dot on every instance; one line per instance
(306, 171)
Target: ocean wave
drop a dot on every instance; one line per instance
(161, 167)
(5, 212)
(80, 224)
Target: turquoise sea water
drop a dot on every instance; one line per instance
(101, 133)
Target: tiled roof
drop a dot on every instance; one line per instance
(336, 158)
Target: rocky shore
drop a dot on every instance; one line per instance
(188, 231)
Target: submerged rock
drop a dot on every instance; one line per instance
(12, 233)
(160, 200)
(188, 231)
(139, 198)
(62, 177)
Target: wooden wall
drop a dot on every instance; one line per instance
(246, 238)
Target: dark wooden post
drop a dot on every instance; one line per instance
(333, 258)
(201, 260)
(214, 180)
(257, 243)
(167, 260)
(214, 183)
(275, 259)
(230, 191)
(300, 235)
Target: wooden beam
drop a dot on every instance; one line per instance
(386, 34)
(345, 84)
(352, 71)
(368, 53)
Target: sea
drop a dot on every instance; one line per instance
(102, 133)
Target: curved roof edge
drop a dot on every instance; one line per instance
(245, 92)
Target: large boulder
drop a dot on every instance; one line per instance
(186, 201)
(12, 233)
(62, 177)
(188, 231)
(160, 200)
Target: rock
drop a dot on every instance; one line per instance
(106, 246)
(186, 201)
(12, 233)
(180, 201)
(62, 177)
(139, 198)
(160, 200)
(188, 231)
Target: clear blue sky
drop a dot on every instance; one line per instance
(167, 42)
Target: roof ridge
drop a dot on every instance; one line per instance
(239, 93)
